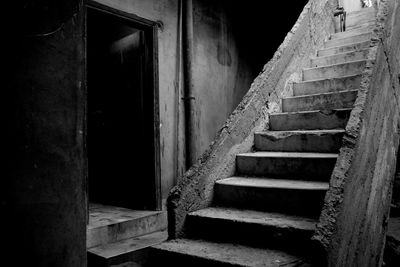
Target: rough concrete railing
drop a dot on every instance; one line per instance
(353, 222)
(195, 189)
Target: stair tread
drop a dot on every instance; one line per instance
(269, 154)
(317, 132)
(102, 215)
(257, 217)
(338, 55)
(273, 183)
(237, 255)
(129, 245)
(318, 80)
(346, 45)
(320, 94)
(311, 111)
(336, 65)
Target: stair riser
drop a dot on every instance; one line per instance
(323, 143)
(298, 202)
(326, 85)
(252, 234)
(321, 101)
(348, 40)
(348, 33)
(343, 49)
(339, 58)
(309, 121)
(334, 71)
(360, 19)
(358, 26)
(127, 229)
(292, 168)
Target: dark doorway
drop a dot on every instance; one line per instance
(122, 117)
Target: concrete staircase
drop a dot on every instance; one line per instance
(266, 214)
(118, 236)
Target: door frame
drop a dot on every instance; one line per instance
(151, 30)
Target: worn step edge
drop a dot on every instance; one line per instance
(300, 120)
(274, 219)
(361, 44)
(226, 254)
(129, 245)
(321, 94)
(350, 33)
(336, 65)
(271, 183)
(305, 155)
(339, 56)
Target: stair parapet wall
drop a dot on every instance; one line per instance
(194, 190)
(353, 222)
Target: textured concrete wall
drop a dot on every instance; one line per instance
(229, 52)
(42, 197)
(353, 223)
(232, 42)
(195, 190)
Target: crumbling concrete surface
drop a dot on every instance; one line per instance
(195, 189)
(353, 222)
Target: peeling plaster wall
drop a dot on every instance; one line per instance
(195, 190)
(353, 222)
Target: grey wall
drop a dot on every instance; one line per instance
(43, 186)
(230, 48)
(353, 222)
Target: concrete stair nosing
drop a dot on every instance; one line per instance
(348, 40)
(299, 141)
(339, 58)
(294, 197)
(345, 48)
(351, 82)
(133, 250)
(195, 253)
(310, 120)
(255, 228)
(334, 71)
(330, 100)
(352, 32)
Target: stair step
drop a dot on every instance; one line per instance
(351, 82)
(334, 71)
(361, 25)
(309, 166)
(273, 195)
(359, 20)
(196, 253)
(342, 49)
(323, 141)
(310, 120)
(339, 100)
(348, 40)
(339, 58)
(365, 10)
(108, 224)
(131, 251)
(356, 31)
(256, 228)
